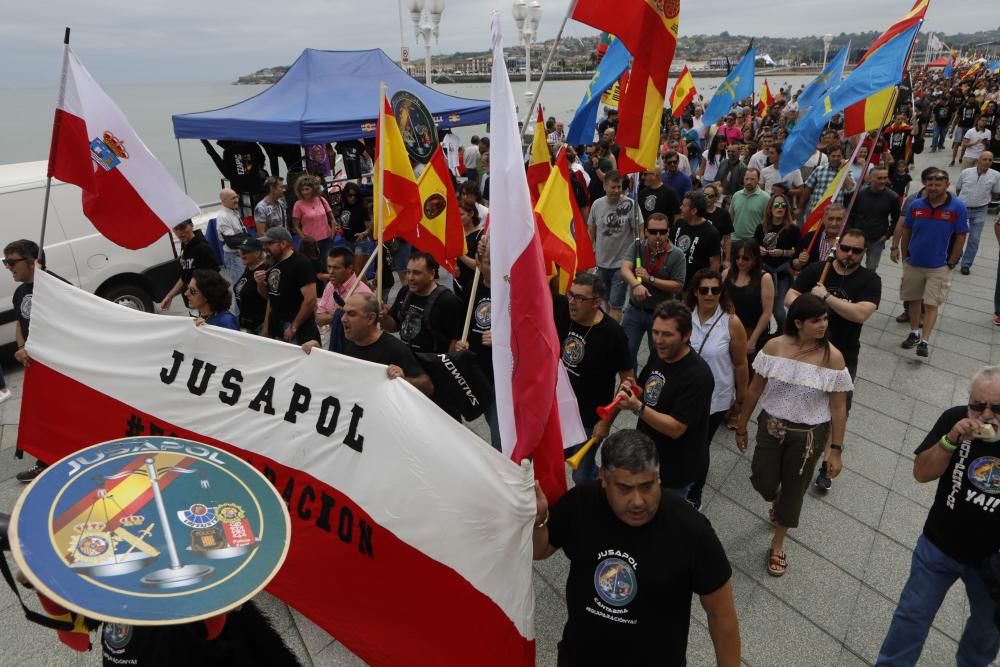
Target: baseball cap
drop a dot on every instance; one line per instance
(251, 245)
(277, 234)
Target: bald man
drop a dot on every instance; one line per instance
(231, 233)
(977, 187)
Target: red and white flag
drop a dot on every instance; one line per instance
(536, 406)
(411, 538)
(127, 194)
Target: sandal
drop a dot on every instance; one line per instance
(777, 563)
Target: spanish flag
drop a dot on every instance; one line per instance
(440, 231)
(561, 227)
(400, 195)
(639, 119)
(830, 194)
(540, 159)
(859, 117)
(765, 101)
(684, 91)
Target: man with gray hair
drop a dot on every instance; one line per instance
(962, 529)
(636, 556)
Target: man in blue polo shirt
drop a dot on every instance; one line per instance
(931, 244)
(672, 176)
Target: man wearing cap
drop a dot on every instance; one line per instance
(252, 304)
(290, 287)
(195, 254)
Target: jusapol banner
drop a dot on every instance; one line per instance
(411, 538)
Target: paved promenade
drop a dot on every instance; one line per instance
(847, 562)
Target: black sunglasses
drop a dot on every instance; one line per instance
(852, 249)
(980, 406)
(11, 262)
(658, 232)
(705, 291)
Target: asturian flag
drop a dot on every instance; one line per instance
(536, 407)
(411, 538)
(127, 194)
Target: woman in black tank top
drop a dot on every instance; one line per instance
(751, 290)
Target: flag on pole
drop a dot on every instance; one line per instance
(765, 101)
(610, 69)
(531, 383)
(562, 229)
(684, 91)
(949, 69)
(640, 116)
(972, 71)
(994, 66)
(540, 159)
(128, 195)
(831, 194)
(825, 80)
(867, 115)
(737, 86)
(440, 231)
(400, 195)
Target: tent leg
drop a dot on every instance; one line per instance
(184, 179)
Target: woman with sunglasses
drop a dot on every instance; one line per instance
(208, 293)
(778, 237)
(718, 336)
(802, 386)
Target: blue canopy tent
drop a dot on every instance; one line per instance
(325, 96)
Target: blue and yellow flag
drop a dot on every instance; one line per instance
(737, 86)
(994, 66)
(827, 79)
(610, 69)
(882, 69)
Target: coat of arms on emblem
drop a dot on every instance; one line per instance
(108, 151)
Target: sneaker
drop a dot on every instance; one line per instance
(996, 320)
(922, 350)
(965, 270)
(5, 395)
(823, 481)
(911, 341)
(30, 474)
(951, 164)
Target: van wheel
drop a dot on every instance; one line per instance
(130, 296)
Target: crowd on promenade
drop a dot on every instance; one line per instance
(710, 261)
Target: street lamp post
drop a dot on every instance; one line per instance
(426, 17)
(827, 40)
(527, 16)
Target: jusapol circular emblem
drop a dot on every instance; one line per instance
(482, 314)
(984, 473)
(150, 531)
(26, 307)
(574, 350)
(615, 582)
(654, 385)
(274, 280)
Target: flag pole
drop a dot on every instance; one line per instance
(472, 304)
(55, 138)
(545, 69)
(380, 191)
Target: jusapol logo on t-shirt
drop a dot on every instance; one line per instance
(574, 349)
(654, 385)
(983, 474)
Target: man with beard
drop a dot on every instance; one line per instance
(637, 555)
(673, 410)
(960, 532)
(594, 352)
(852, 294)
(656, 274)
(290, 287)
(613, 226)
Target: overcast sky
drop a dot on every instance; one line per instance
(216, 40)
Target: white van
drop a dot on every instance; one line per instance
(74, 249)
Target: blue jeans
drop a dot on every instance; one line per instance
(638, 324)
(874, 255)
(782, 281)
(938, 137)
(977, 219)
(932, 573)
(615, 286)
(233, 272)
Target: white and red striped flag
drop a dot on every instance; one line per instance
(127, 194)
(536, 407)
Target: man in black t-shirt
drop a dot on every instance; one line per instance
(965, 118)
(252, 305)
(676, 397)
(852, 294)
(875, 212)
(637, 555)
(195, 254)
(352, 152)
(941, 112)
(657, 197)
(697, 238)
(594, 352)
(428, 317)
(290, 287)
(961, 530)
(365, 340)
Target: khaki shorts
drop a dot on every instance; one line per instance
(927, 285)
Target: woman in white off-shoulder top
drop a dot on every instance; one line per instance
(802, 387)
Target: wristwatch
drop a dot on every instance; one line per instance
(638, 411)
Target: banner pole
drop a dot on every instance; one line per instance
(55, 138)
(472, 305)
(545, 69)
(379, 192)
(360, 276)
